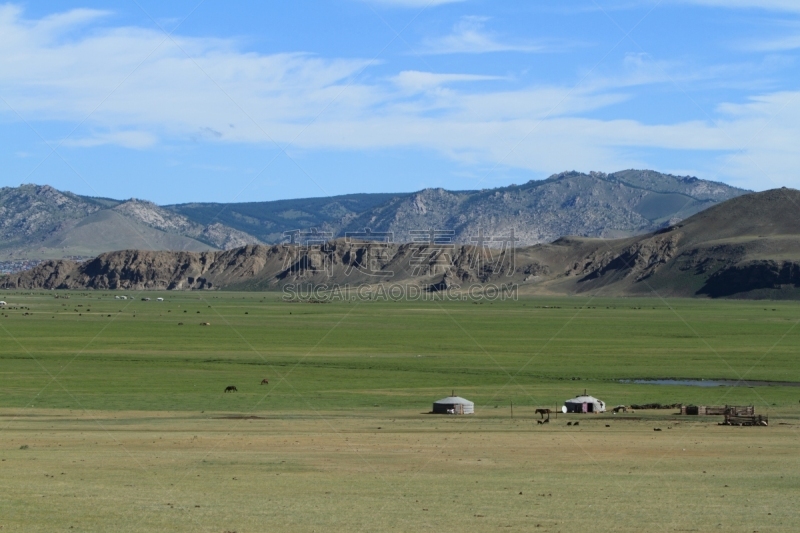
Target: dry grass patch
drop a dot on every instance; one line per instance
(398, 471)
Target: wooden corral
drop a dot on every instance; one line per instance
(749, 420)
(738, 410)
(735, 415)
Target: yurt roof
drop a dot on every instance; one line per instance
(583, 398)
(452, 400)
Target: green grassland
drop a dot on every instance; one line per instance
(129, 405)
(94, 352)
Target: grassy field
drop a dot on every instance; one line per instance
(113, 416)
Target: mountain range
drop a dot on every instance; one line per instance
(620, 204)
(746, 247)
(40, 222)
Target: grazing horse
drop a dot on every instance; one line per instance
(231, 388)
(543, 412)
(265, 381)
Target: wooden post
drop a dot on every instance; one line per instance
(512, 409)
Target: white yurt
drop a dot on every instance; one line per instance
(453, 405)
(584, 404)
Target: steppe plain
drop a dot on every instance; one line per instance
(113, 416)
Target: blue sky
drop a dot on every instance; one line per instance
(210, 101)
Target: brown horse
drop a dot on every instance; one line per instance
(543, 412)
(265, 381)
(231, 388)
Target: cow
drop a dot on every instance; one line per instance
(569, 423)
(265, 381)
(231, 388)
(543, 412)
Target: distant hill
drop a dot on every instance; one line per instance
(747, 247)
(629, 202)
(269, 220)
(40, 222)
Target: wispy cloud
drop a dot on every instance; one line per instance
(469, 36)
(774, 44)
(412, 3)
(224, 95)
(53, 25)
(770, 5)
(414, 80)
(126, 139)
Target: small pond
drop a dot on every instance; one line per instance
(712, 382)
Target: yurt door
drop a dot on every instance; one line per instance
(585, 408)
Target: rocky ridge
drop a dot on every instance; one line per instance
(40, 222)
(626, 203)
(746, 247)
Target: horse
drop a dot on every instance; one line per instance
(265, 381)
(231, 388)
(543, 412)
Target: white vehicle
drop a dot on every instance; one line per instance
(159, 299)
(3, 304)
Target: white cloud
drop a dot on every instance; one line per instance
(470, 37)
(224, 95)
